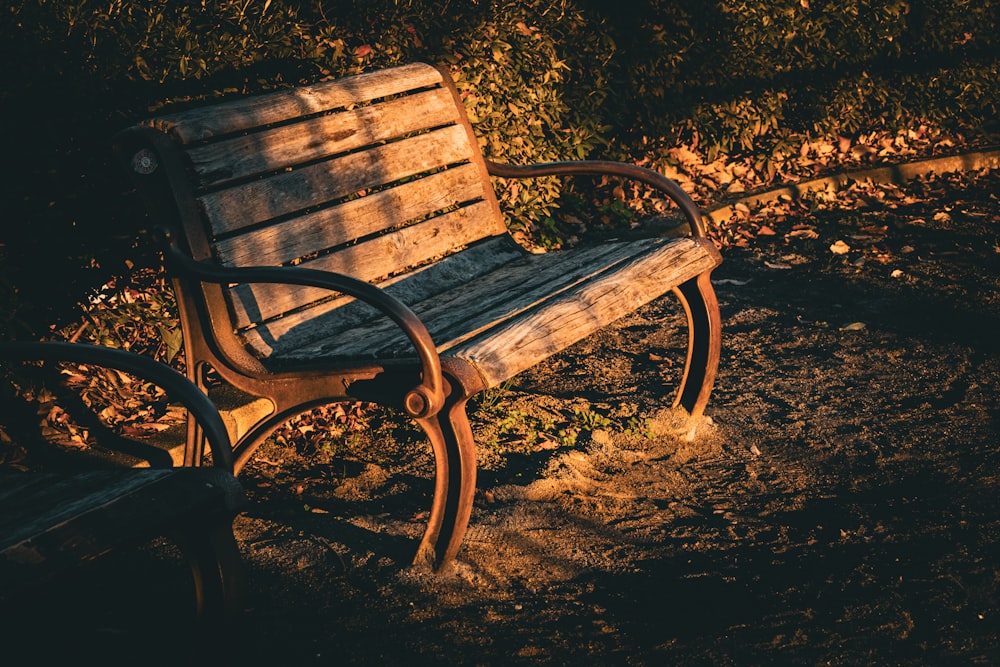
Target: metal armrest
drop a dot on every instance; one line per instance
(603, 167)
(424, 400)
(173, 382)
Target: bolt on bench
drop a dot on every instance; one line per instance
(51, 523)
(343, 242)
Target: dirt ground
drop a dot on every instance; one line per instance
(840, 503)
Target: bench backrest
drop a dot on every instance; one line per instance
(370, 176)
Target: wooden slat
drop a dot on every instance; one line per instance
(519, 314)
(50, 499)
(505, 351)
(514, 289)
(250, 112)
(54, 522)
(331, 227)
(320, 183)
(373, 259)
(491, 298)
(322, 136)
(295, 331)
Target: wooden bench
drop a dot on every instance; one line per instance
(51, 523)
(342, 241)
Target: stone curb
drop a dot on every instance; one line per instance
(898, 174)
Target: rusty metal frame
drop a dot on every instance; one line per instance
(419, 388)
(175, 384)
(433, 390)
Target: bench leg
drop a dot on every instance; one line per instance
(217, 569)
(455, 480)
(704, 343)
(194, 448)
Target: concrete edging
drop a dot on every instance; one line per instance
(897, 173)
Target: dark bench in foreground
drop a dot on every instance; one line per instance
(343, 242)
(52, 523)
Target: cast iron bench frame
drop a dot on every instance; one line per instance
(373, 188)
(51, 523)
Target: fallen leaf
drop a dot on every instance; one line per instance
(874, 229)
(777, 265)
(854, 326)
(840, 248)
(156, 426)
(545, 444)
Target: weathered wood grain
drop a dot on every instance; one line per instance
(328, 228)
(522, 342)
(317, 184)
(373, 259)
(318, 137)
(334, 319)
(456, 313)
(250, 112)
(508, 319)
(53, 521)
(51, 500)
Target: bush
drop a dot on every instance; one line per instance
(740, 76)
(542, 80)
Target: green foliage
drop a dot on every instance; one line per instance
(505, 428)
(755, 77)
(542, 80)
(533, 83)
(639, 426)
(160, 41)
(135, 313)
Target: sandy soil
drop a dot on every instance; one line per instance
(839, 505)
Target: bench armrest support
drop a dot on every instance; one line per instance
(424, 400)
(607, 167)
(147, 368)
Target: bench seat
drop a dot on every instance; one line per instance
(500, 319)
(50, 523)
